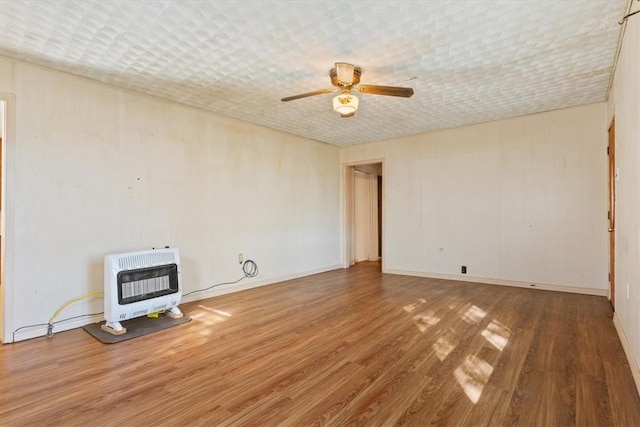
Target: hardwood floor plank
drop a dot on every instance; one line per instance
(623, 399)
(346, 347)
(590, 409)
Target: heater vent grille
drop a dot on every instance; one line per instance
(147, 259)
(138, 283)
(145, 286)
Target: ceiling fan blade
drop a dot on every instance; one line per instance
(304, 95)
(404, 92)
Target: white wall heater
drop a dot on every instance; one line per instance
(140, 283)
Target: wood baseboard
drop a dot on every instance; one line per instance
(633, 363)
(500, 282)
(223, 290)
(40, 331)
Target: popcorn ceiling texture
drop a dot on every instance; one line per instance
(468, 62)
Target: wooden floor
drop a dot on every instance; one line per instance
(348, 347)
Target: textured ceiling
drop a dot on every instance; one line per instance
(467, 61)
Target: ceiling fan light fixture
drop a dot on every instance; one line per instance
(345, 104)
(346, 77)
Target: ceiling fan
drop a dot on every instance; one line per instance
(345, 77)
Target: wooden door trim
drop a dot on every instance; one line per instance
(611, 150)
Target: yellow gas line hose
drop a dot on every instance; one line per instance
(67, 304)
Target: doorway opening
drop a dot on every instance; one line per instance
(364, 212)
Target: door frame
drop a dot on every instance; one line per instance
(611, 155)
(6, 219)
(348, 181)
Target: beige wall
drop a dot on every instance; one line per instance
(521, 200)
(98, 170)
(626, 107)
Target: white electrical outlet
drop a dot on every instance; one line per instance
(240, 258)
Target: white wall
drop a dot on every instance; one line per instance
(626, 107)
(100, 170)
(521, 200)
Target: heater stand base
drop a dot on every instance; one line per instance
(114, 328)
(174, 313)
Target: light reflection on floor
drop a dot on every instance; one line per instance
(473, 373)
(210, 316)
(412, 307)
(425, 320)
(497, 334)
(474, 315)
(443, 347)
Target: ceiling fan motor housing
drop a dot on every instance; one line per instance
(355, 77)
